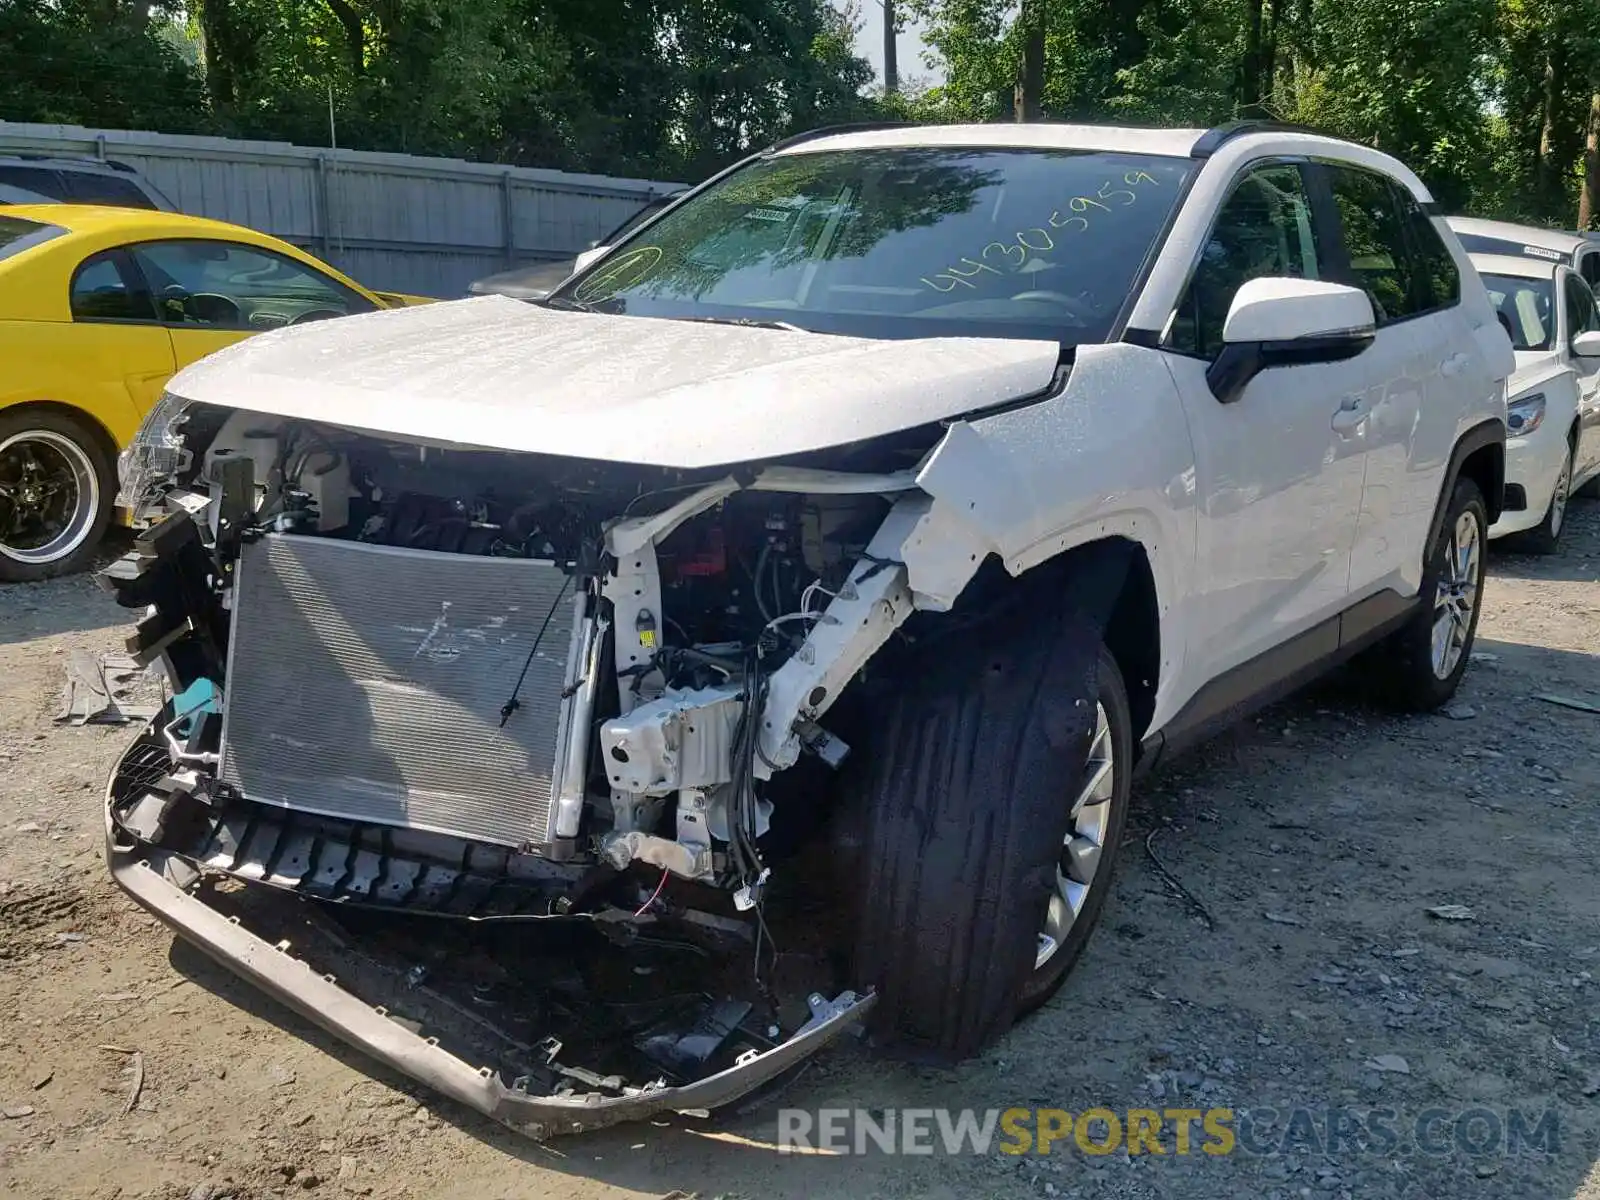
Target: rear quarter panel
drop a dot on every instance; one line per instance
(61, 363)
(47, 357)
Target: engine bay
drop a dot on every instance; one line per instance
(585, 665)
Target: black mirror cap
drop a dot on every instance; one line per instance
(1240, 362)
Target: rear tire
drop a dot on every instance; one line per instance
(1545, 537)
(1420, 665)
(967, 806)
(57, 489)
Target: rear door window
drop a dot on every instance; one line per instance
(1380, 256)
(1438, 279)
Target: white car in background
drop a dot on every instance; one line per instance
(1573, 250)
(1553, 400)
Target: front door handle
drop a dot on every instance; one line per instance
(1352, 415)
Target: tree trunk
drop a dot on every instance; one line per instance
(1589, 197)
(1250, 85)
(1030, 75)
(891, 64)
(354, 33)
(217, 45)
(1269, 52)
(1548, 172)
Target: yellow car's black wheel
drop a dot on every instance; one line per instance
(57, 488)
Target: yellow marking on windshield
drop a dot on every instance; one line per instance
(1013, 252)
(624, 271)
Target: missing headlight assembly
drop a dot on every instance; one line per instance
(561, 702)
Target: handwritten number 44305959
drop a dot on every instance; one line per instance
(1013, 253)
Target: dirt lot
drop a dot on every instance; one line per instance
(1315, 837)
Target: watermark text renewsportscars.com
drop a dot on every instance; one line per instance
(1170, 1132)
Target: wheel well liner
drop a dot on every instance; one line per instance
(1480, 455)
(88, 420)
(1110, 583)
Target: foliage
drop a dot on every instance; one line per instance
(673, 88)
(1489, 100)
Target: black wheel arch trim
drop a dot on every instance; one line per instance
(1491, 432)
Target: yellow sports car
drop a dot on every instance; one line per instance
(98, 308)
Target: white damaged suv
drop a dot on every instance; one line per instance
(790, 598)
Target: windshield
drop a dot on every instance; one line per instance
(909, 242)
(1525, 309)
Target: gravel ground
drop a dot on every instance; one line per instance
(1314, 839)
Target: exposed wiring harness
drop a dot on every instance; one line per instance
(742, 800)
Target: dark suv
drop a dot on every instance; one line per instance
(82, 181)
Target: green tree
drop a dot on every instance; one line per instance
(96, 62)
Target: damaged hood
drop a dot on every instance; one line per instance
(498, 373)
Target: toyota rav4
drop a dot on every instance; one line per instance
(790, 596)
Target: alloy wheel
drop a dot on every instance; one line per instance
(49, 495)
(1558, 498)
(1084, 847)
(1457, 595)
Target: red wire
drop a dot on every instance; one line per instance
(645, 906)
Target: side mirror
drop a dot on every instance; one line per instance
(1587, 344)
(1276, 322)
(588, 258)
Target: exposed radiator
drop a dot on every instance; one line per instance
(367, 682)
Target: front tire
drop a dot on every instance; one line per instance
(972, 818)
(57, 488)
(1545, 537)
(1422, 663)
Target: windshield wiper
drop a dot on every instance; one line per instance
(566, 303)
(750, 322)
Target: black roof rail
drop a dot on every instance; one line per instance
(35, 156)
(830, 130)
(1218, 136)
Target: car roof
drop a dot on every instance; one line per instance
(1515, 265)
(51, 162)
(145, 222)
(1179, 142)
(1530, 235)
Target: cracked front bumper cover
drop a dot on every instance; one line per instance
(158, 881)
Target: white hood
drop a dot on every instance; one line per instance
(499, 373)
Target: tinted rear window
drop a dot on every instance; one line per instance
(89, 188)
(17, 235)
(35, 179)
